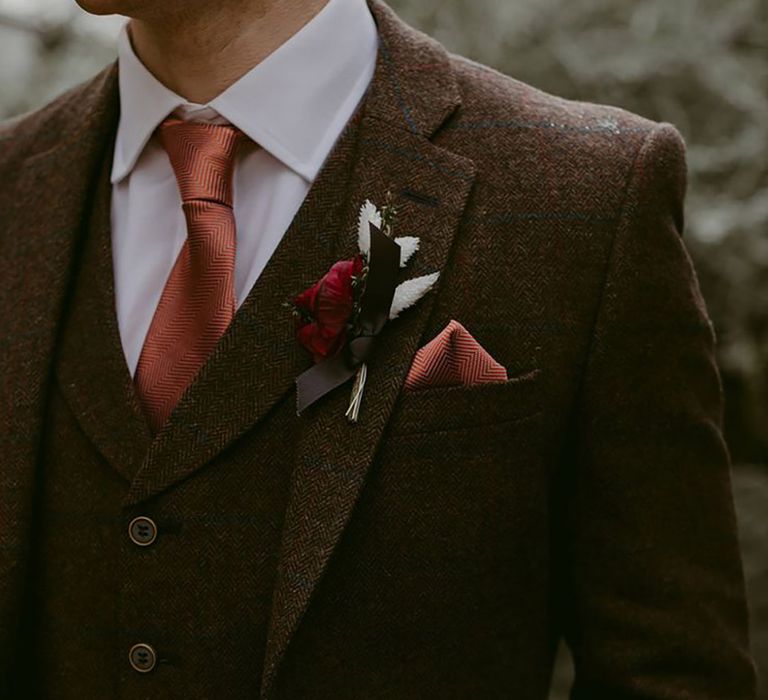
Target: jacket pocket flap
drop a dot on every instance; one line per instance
(461, 407)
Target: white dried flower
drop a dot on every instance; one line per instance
(369, 214)
(408, 246)
(410, 291)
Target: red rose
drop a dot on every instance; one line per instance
(327, 307)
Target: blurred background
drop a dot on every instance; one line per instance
(700, 64)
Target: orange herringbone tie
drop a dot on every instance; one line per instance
(198, 301)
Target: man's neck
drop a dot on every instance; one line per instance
(198, 55)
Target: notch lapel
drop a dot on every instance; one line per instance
(404, 108)
(39, 245)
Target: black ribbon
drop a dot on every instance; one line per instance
(375, 304)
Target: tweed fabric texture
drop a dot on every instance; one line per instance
(446, 542)
(198, 301)
(450, 358)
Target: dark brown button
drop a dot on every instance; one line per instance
(142, 531)
(143, 658)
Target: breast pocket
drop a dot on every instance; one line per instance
(456, 408)
(459, 476)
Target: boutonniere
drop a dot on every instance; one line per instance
(339, 317)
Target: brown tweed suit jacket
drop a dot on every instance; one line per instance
(443, 545)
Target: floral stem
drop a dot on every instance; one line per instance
(356, 400)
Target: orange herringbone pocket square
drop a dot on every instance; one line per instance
(452, 358)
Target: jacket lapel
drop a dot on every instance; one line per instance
(39, 244)
(413, 92)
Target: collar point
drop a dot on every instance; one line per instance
(118, 174)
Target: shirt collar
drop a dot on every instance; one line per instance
(294, 104)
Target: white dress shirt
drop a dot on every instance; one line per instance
(294, 105)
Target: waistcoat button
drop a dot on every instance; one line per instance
(143, 658)
(142, 531)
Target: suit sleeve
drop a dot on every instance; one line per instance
(652, 578)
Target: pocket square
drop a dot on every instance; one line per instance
(453, 357)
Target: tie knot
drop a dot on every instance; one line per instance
(203, 158)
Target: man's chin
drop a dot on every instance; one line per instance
(109, 7)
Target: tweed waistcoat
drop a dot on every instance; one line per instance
(202, 590)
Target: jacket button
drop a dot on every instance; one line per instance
(143, 658)
(142, 531)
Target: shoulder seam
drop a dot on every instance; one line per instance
(628, 184)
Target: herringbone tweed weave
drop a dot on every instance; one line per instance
(441, 546)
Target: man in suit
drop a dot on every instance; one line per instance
(171, 528)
